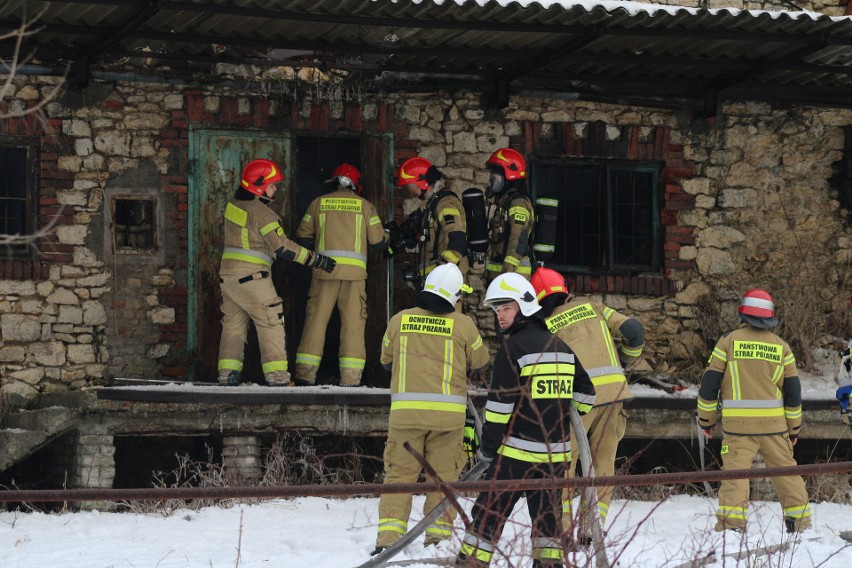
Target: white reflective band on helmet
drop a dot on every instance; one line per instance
(758, 303)
(345, 181)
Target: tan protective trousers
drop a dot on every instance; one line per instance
(444, 452)
(254, 300)
(350, 297)
(605, 426)
(777, 451)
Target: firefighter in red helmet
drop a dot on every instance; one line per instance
(344, 226)
(253, 240)
(510, 228)
(752, 377)
(588, 328)
(437, 226)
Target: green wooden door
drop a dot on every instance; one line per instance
(217, 158)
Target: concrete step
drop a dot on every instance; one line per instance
(26, 432)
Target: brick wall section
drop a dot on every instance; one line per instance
(50, 179)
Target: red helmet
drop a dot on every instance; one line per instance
(513, 164)
(757, 303)
(348, 175)
(413, 170)
(547, 281)
(260, 173)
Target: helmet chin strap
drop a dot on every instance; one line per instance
(436, 187)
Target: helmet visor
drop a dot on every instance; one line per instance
(495, 183)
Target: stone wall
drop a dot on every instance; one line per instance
(749, 198)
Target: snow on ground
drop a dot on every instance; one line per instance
(339, 533)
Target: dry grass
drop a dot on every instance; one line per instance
(291, 459)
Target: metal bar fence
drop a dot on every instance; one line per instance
(361, 490)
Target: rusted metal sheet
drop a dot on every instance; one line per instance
(216, 161)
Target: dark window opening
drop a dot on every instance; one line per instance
(608, 217)
(17, 200)
(133, 226)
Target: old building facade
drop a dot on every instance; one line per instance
(123, 176)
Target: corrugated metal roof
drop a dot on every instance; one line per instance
(604, 49)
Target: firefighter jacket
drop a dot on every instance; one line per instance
(752, 376)
(429, 355)
(344, 226)
(588, 329)
(536, 377)
(509, 234)
(254, 238)
(444, 233)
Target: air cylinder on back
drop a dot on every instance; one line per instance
(546, 214)
(473, 200)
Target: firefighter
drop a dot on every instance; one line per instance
(344, 226)
(752, 376)
(428, 349)
(511, 225)
(535, 380)
(588, 328)
(439, 221)
(253, 240)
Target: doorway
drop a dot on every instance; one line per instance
(217, 158)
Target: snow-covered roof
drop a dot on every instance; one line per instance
(606, 50)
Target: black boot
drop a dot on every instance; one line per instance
(378, 550)
(790, 525)
(230, 379)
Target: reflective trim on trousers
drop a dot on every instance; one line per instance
(272, 366)
(393, 525)
(230, 364)
(308, 359)
(352, 363)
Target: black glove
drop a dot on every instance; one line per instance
(471, 439)
(324, 262)
(486, 457)
(392, 235)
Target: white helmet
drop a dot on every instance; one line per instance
(446, 282)
(512, 286)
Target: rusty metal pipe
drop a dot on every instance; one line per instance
(354, 489)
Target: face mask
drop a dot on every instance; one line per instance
(495, 184)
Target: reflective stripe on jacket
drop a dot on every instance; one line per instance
(344, 226)
(509, 233)
(535, 379)
(445, 228)
(752, 375)
(253, 233)
(429, 355)
(588, 329)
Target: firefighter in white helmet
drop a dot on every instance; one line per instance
(253, 240)
(344, 226)
(752, 376)
(527, 431)
(429, 350)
